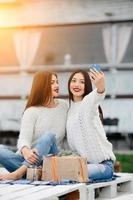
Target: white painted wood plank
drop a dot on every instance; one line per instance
(83, 192)
(120, 186)
(13, 188)
(90, 194)
(123, 178)
(98, 185)
(2, 185)
(124, 197)
(24, 192)
(55, 191)
(109, 191)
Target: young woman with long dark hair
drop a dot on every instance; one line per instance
(85, 132)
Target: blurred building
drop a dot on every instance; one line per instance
(64, 35)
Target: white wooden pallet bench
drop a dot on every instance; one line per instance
(112, 189)
(30, 192)
(42, 192)
(119, 189)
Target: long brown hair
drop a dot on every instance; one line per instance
(40, 94)
(87, 90)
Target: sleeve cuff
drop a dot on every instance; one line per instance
(20, 146)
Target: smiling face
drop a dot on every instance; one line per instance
(77, 86)
(54, 86)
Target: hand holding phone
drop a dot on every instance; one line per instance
(97, 77)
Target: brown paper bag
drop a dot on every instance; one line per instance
(65, 168)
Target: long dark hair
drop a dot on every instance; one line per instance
(87, 90)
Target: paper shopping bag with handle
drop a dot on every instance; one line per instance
(58, 168)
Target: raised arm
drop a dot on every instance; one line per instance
(93, 99)
(98, 80)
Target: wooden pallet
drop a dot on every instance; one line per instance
(108, 190)
(119, 189)
(30, 192)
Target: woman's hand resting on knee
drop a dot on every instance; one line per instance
(30, 155)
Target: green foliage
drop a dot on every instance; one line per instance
(126, 162)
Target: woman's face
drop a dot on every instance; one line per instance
(77, 86)
(54, 86)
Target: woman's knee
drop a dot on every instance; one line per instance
(100, 171)
(48, 138)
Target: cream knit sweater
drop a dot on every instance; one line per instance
(40, 120)
(85, 132)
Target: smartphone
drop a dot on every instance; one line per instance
(96, 66)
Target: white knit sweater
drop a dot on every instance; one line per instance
(40, 120)
(85, 132)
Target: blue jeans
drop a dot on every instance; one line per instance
(101, 171)
(46, 144)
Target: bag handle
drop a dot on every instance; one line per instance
(54, 168)
(82, 169)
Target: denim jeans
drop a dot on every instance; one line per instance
(101, 171)
(45, 145)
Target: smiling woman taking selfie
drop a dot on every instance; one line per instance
(85, 132)
(43, 123)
